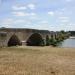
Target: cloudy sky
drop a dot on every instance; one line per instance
(38, 14)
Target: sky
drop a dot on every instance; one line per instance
(53, 15)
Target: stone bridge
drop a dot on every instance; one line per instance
(17, 36)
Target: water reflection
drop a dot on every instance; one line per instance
(68, 43)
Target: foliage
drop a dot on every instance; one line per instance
(42, 42)
(53, 42)
(47, 41)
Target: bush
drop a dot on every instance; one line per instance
(47, 41)
(53, 42)
(42, 43)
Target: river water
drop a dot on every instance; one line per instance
(68, 43)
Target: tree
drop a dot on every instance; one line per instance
(47, 41)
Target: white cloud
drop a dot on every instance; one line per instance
(65, 20)
(31, 6)
(19, 7)
(23, 14)
(63, 17)
(7, 22)
(43, 25)
(34, 18)
(44, 22)
(23, 7)
(20, 14)
(19, 21)
(22, 21)
(32, 14)
(51, 13)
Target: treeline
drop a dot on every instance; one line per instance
(72, 33)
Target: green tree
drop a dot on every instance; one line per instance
(47, 41)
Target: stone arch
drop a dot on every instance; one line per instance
(35, 39)
(14, 40)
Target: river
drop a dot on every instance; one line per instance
(68, 43)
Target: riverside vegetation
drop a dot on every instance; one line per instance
(54, 41)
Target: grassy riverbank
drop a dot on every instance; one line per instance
(37, 61)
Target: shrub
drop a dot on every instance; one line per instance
(47, 41)
(53, 42)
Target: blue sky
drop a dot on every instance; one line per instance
(38, 14)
